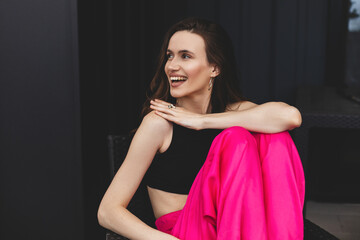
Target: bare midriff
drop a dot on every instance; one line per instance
(165, 202)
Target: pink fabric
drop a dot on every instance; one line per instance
(250, 187)
(166, 222)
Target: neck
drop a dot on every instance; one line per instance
(198, 104)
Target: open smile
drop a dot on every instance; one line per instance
(176, 81)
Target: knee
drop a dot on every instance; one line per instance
(282, 142)
(282, 139)
(237, 133)
(238, 136)
(275, 144)
(280, 136)
(238, 150)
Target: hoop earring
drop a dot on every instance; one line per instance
(210, 83)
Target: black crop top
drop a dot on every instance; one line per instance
(175, 169)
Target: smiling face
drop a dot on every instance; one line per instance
(187, 67)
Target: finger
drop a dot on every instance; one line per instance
(166, 116)
(162, 102)
(159, 102)
(158, 105)
(163, 109)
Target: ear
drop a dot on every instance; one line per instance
(215, 71)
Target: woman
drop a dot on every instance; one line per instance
(250, 186)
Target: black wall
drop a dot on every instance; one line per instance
(40, 152)
(94, 89)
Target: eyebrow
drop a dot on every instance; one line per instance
(181, 51)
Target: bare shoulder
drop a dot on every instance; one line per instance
(156, 123)
(154, 128)
(150, 136)
(240, 106)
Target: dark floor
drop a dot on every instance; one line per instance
(340, 219)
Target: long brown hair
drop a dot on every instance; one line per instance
(219, 51)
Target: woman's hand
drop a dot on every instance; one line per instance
(271, 117)
(177, 115)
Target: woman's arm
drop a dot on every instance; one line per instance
(112, 213)
(271, 117)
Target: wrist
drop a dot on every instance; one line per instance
(203, 121)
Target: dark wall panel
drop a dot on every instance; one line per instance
(94, 74)
(40, 158)
(257, 54)
(285, 49)
(315, 42)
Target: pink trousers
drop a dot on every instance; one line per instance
(250, 187)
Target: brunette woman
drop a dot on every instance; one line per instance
(204, 182)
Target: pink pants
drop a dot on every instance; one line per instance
(250, 187)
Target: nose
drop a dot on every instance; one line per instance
(173, 65)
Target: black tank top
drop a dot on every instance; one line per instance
(175, 169)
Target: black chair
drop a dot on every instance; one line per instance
(140, 204)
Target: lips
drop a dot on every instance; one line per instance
(177, 80)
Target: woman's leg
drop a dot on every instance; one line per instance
(226, 200)
(284, 185)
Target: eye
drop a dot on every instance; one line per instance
(169, 56)
(185, 56)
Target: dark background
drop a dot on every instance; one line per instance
(73, 72)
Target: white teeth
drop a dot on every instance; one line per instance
(178, 78)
